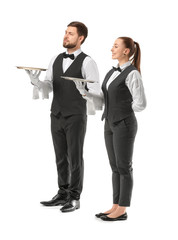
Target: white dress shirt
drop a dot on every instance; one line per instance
(135, 86)
(89, 71)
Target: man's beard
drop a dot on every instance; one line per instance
(69, 45)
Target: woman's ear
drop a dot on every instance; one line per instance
(126, 51)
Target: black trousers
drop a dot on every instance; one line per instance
(68, 135)
(119, 140)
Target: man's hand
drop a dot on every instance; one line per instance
(81, 87)
(34, 77)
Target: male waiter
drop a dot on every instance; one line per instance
(68, 113)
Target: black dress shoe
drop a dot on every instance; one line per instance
(101, 214)
(122, 217)
(57, 200)
(71, 206)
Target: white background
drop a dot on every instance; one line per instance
(31, 34)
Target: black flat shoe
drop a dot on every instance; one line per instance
(56, 201)
(71, 206)
(120, 218)
(101, 214)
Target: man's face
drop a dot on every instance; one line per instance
(71, 38)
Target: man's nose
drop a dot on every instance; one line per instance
(66, 35)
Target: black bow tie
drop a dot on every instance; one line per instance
(71, 56)
(117, 69)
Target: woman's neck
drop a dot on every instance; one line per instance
(123, 61)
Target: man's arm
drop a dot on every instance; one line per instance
(93, 95)
(90, 71)
(45, 86)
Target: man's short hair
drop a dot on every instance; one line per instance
(81, 29)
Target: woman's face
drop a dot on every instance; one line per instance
(118, 50)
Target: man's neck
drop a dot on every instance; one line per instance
(72, 50)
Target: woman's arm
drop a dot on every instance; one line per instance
(135, 86)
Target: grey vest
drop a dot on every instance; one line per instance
(66, 98)
(118, 99)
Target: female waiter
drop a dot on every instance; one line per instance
(123, 94)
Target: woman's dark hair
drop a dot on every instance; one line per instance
(81, 29)
(135, 53)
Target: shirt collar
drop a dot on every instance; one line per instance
(123, 66)
(76, 53)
